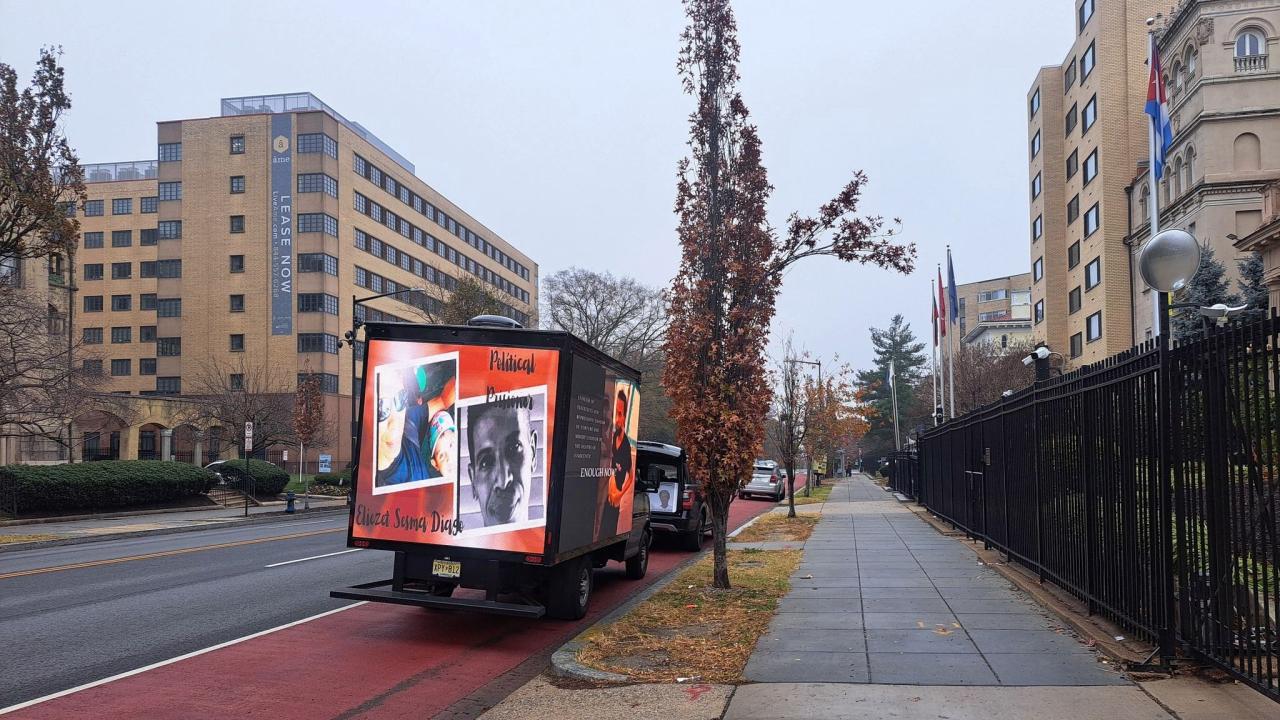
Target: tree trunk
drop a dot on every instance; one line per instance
(720, 502)
(791, 491)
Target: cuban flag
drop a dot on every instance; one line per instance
(1158, 109)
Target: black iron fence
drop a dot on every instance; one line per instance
(1147, 485)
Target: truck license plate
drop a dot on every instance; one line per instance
(446, 568)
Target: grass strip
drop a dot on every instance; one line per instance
(777, 527)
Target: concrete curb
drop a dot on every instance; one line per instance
(564, 661)
(251, 520)
(106, 516)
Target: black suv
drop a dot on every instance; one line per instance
(677, 505)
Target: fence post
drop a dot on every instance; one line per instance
(1164, 385)
(1087, 445)
(1036, 476)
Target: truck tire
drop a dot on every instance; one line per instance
(638, 564)
(442, 589)
(692, 541)
(569, 589)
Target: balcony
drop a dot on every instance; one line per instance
(1251, 63)
(111, 172)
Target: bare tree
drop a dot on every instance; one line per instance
(624, 318)
(469, 298)
(39, 172)
(984, 371)
(791, 418)
(230, 394)
(45, 378)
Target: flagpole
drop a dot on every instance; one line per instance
(933, 292)
(1156, 321)
(951, 351)
(893, 388)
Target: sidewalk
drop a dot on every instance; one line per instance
(156, 522)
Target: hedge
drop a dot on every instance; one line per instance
(99, 485)
(339, 478)
(268, 479)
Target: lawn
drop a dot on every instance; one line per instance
(11, 539)
(816, 495)
(690, 630)
(777, 527)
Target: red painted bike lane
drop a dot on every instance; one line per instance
(371, 661)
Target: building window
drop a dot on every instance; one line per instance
(1093, 327)
(1092, 274)
(147, 366)
(1035, 187)
(318, 302)
(92, 240)
(170, 152)
(992, 295)
(168, 385)
(236, 263)
(150, 204)
(147, 236)
(1091, 167)
(121, 368)
(1073, 301)
(1091, 220)
(147, 301)
(1083, 13)
(328, 381)
(1035, 107)
(237, 144)
(237, 303)
(1069, 77)
(170, 191)
(169, 307)
(121, 238)
(1073, 255)
(1073, 164)
(237, 184)
(318, 222)
(169, 268)
(317, 182)
(1035, 144)
(318, 342)
(1077, 345)
(1087, 62)
(1073, 209)
(1037, 228)
(237, 342)
(121, 271)
(318, 143)
(1090, 115)
(146, 333)
(93, 208)
(1250, 43)
(1037, 269)
(68, 209)
(92, 367)
(237, 223)
(122, 206)
(169, 229)
(1070, 121)
(93, 271)
(121, 303)
(318, 262)
(236, 381)
(91, 336)
(1039, 312)
(169, 346)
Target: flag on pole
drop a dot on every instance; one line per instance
(941, 305)
(935, 322)
(890, 374)
(1158, 109)
(951, 288)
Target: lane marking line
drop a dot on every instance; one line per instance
(170, 661)
(313, 557)
(165, 553)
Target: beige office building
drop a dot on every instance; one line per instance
(1086, 134)
(995, 311)
(1224, 105)
(243, 245)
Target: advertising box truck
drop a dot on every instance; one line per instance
(498, 459)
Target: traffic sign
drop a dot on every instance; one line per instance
(326, 463)
(248, 436)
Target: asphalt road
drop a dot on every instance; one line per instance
(65, 627)
(77, 614)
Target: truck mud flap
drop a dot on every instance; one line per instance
(374, 592)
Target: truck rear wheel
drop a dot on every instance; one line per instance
(692, 540)
(569, 589)
(638, 564)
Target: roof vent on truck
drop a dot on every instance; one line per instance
(493, 321)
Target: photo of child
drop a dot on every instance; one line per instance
(417, 439)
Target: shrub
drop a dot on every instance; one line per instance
(339, 478)
(268, 479)
(102, 485)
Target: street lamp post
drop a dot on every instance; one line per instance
(350, 340)
(809, 480)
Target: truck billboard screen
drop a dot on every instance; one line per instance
(456, 445)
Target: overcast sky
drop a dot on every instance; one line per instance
(559, 124)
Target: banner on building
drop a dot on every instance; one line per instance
(282, 224)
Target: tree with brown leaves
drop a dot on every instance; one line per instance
(732, 262)
(309, 423)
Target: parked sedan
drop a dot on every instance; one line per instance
(765, 481)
